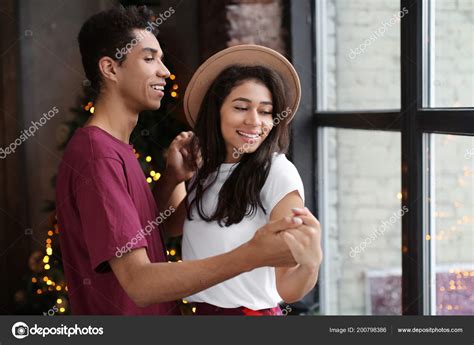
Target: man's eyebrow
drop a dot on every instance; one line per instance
(249, 101)
(151, 50)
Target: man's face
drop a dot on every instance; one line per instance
(141, 77)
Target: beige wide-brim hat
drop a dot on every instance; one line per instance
(242, 55)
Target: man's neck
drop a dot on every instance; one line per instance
(113, 117)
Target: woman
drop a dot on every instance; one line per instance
(240, 102)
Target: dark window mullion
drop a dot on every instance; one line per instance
(452, 121)
(412, 154)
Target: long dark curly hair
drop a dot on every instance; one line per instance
(239, 196)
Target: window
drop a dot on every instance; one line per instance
(452, 24)
(364, 220)
(360, 55)
(393, 131)
(451, 240)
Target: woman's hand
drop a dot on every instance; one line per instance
(179, 163)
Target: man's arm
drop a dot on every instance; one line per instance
(147, 283)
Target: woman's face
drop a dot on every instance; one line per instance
(246, 119)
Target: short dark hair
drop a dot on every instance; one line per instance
(105, 33)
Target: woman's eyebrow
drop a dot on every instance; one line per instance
(242, 99)
(249, 101)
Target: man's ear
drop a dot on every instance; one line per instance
(108, 68)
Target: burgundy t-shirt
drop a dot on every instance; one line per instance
(104, 204)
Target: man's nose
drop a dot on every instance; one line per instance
(162, 71)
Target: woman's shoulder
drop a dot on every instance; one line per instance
(282, 169)
(280, 163)
(282, 179)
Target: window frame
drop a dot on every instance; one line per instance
(413, 121)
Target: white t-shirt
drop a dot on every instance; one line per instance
(255, 289)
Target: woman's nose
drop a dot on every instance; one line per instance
(253, 118)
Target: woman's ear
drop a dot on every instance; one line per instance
(108, 68)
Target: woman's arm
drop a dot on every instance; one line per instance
(173, 225)
(170, 190)
(293, 283)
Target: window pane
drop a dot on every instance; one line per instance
(453, 79)
(362, 272)
(453, 235)
(359, 61)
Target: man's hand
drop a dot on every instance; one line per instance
(179, 164)
(305, 241)
(268, 246)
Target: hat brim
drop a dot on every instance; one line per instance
(246, 55)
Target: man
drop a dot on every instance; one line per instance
(113, 251)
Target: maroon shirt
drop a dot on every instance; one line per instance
(104, 204)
